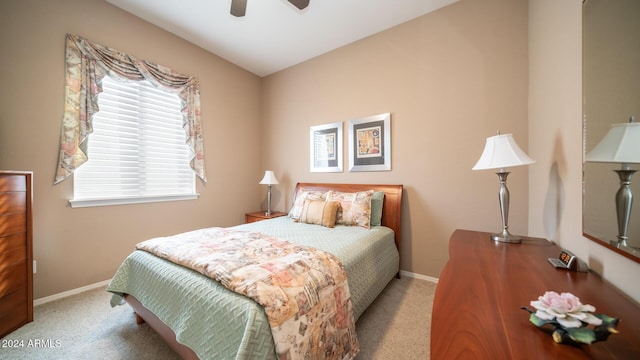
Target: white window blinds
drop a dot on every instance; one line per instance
(137, 151)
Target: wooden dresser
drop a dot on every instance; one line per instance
(476, 310)
(16, 269)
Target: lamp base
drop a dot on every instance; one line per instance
(506, 237)
(624, 202)
(622, 241)
(503, 197)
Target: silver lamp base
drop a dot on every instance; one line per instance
(503, 197)
(506, 237)
(620, 243)
(624, 202)
(268, 212)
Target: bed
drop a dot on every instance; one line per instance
(200, 318)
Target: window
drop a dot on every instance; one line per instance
(137, 151)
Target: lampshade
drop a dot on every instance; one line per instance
(620, 145)
(269, 178)
(501, 151)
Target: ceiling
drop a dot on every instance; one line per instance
(274, 34)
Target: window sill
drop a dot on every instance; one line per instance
(127, 201)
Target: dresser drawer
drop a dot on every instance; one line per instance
(13, 248)
(250, 219)
(260, 215)
(14, 278)
(13, 224)
(12, 183)
(12, 202)
(13, 310)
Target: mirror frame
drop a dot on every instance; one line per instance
(607, 245)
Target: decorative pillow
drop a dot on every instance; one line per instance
(319, 212)
(355, 208)
(377, 200)
(303, 195)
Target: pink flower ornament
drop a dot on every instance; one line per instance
(572, 321)
(566, 309)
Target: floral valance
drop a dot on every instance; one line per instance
(86, 64)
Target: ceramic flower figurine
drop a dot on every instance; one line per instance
(572, 321)
(566, 308)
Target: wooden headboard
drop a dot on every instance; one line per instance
(391, 209)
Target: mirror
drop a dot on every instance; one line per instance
(611, 94)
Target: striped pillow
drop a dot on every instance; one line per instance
(319, 212)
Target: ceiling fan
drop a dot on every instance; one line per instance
(239, 7)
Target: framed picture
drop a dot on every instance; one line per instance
(370, 143)
(325, 150)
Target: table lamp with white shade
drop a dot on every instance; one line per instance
(269, 179)
(621, 145)
(500, 152)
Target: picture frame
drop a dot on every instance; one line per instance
(370, 143)
(325, 148)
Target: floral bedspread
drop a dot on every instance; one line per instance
(303, 290)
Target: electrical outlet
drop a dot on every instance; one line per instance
(35, 267)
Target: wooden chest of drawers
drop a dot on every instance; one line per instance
(16, 269)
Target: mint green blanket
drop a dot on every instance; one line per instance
(219, 324)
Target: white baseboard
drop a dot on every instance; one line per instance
(418, 276)
(65, 294)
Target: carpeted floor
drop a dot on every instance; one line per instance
(84, 326)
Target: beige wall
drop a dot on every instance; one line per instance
(555, 138)
(450, 79)
(78, 247)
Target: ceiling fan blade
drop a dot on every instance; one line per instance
(238, 7)
(300, 4)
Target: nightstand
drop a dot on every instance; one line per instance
(260, 215)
